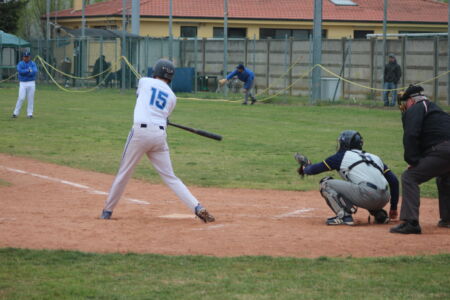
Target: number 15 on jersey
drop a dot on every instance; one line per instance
(158, 98)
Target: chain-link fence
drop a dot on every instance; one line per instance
(354, 67)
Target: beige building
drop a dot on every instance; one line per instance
(262, 19)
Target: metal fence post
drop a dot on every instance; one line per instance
(195, 65)
(435, 69)
(404, 39)
(291, 45)
(286, 49)
(268, 65)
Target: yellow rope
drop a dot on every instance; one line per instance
(136, 73)
(69, 75)
(72, 91)
(13, 75)
(279, 92)
(138, 76)
(282, 75)
(377, 89)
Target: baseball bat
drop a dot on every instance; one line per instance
(198, 131)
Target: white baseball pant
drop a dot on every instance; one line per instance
(151, 141)
(26, 89)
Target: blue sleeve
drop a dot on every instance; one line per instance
(34, 68)
(393, 186)
(232, 74)
(331, 163)
(22, 69)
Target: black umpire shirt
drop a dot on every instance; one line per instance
(424, 125)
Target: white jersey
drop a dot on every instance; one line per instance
(363, 172)
(155, 102)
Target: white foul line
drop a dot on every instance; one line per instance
(74, 184)
(294, 213)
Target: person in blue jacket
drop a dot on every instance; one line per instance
(27, 71)
(245, 75)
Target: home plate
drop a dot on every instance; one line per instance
(178, 216)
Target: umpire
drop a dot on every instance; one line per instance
(426, 141)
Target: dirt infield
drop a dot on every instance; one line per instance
(54, 207)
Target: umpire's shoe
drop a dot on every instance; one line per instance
(203, 214)
(106, 215)
(408, 227)
(443, 223)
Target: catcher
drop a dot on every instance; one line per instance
(365, 184)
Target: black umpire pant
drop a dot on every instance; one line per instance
(436, 163)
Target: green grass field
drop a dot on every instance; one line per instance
(88, 131)
(29, 274)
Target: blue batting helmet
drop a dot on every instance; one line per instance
(26, 53)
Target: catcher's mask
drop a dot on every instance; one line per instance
(164, 69)
(350, 139)
(410, 92)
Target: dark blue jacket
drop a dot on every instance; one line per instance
(27, 71)
(334, 163)
(246, 76)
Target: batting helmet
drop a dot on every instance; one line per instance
(164, 69)
(26, 53)
(350, 139)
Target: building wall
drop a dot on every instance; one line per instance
(158, 27)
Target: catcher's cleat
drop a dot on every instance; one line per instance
(203, 214)
(347, 220)
(106, 215)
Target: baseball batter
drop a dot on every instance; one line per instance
(155, 102)
(27, 71)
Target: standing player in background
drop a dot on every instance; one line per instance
(392, 75)
(27, 71)
(365, 184)
(155, 102)
(245, 75)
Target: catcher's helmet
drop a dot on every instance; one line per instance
(350, 139)
(164, 69)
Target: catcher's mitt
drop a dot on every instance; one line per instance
(303, 162)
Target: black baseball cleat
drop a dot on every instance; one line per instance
(244, 103)
(14, 116)
(407, 228)
(253, 101)
(106, 215)
(30, 117)
(443, 223)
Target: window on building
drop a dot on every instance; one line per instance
(109, 27)
(298, 34)
(232, 32)
(188, 31)
(361, 34)
(343, 2)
